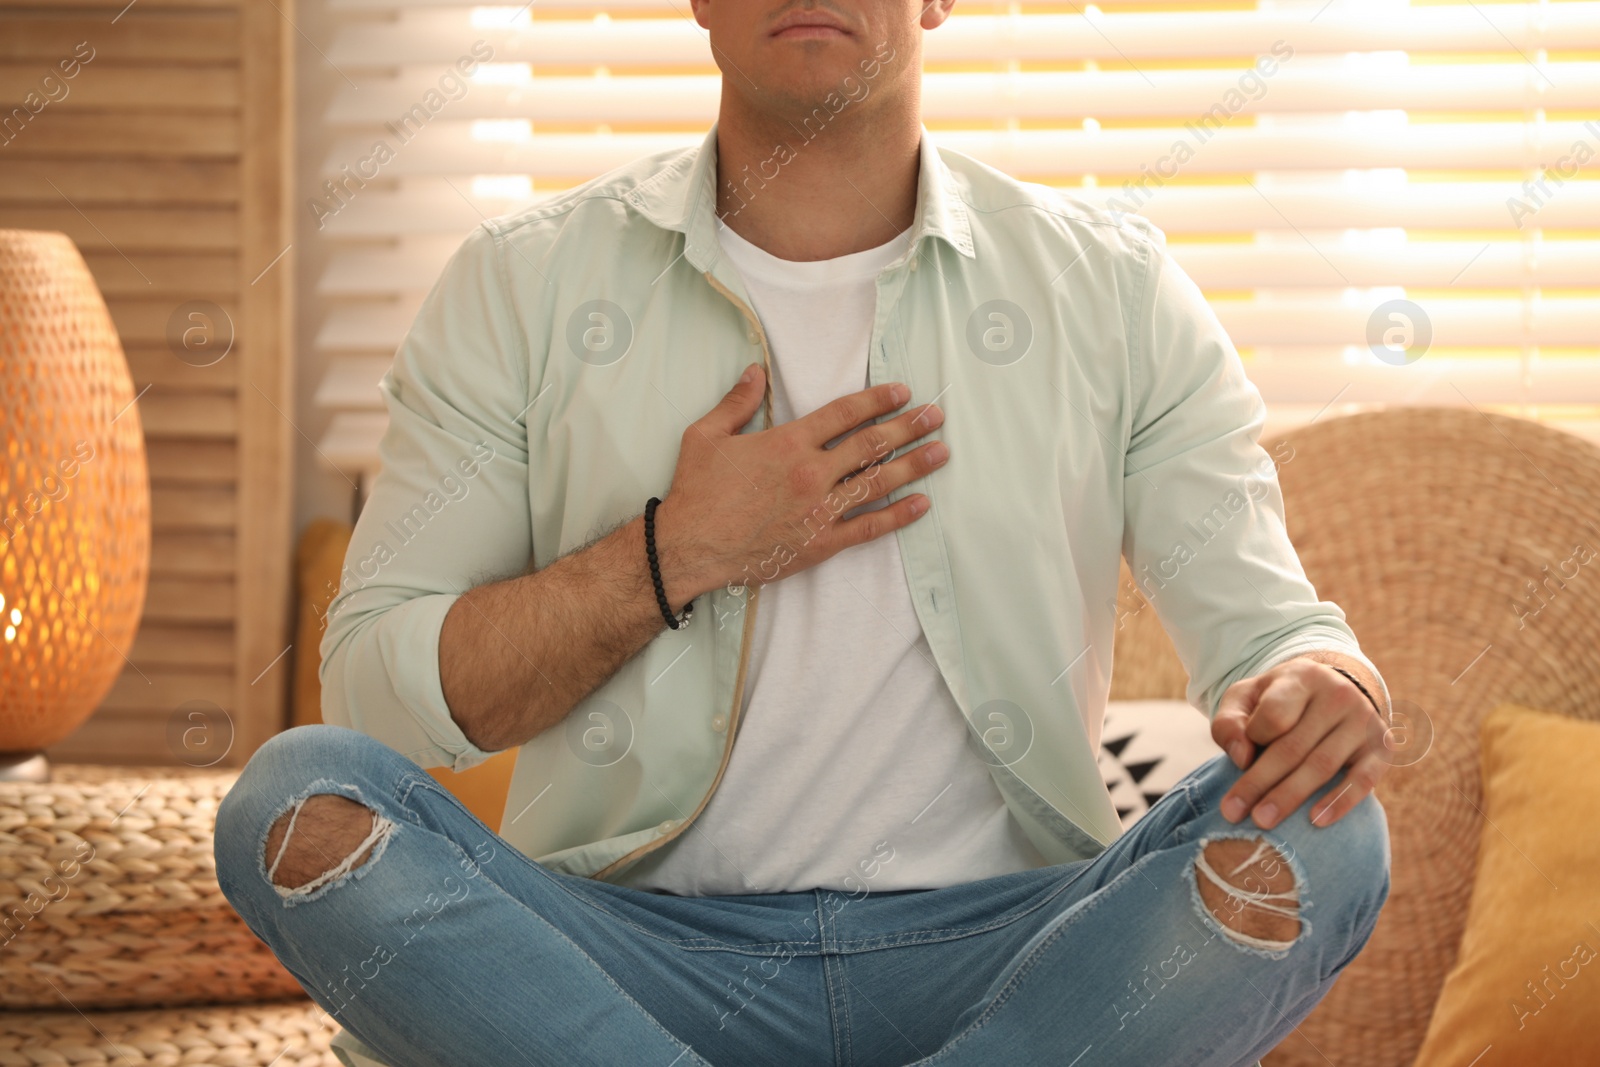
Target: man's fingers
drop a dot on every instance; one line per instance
(884, 478)
(1278, 708)
(873, 524)
(738, 406)
(871, 446)
(1359, 780)
(846, 413)
(1233, 714)
(1281, 755)
(1318, 768)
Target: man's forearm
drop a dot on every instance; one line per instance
(516, 655)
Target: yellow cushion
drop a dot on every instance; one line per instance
(482, 789)
(1526, 986)
(318, 560)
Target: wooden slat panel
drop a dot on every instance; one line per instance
(99, 134)
(171, 644)
(145, 164)
(164, 690)
(192, 462)
(167, 413)
(193, 555)
(144, 322)
(190, 276)
(131, 232)
(188, 509)
(266, 439)
(138, 181)
(190, 600)
(152, 365)
(183, 88)
(206, 38)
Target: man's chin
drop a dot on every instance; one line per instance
(831, 87)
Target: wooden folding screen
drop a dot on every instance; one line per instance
(157, 135)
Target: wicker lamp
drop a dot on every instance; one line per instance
(74, 498)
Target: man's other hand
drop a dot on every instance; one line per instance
(1291, 729)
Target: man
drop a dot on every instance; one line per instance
(904, 616)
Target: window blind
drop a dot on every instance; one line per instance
(1385, 202)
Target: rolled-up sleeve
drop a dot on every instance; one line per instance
(449, 510)
(1204, 531)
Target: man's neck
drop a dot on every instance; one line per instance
(849, 187)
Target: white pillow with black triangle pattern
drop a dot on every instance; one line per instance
(1145, 747)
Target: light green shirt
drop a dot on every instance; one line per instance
(1094, 407)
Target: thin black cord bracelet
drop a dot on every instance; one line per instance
(1363, 689)
(655, 569)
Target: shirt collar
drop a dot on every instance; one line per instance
(682, 196)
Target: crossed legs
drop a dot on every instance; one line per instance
(1189, 940)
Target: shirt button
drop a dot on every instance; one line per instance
(751, 336)
(719, 723)
(913, 262)
(668, 826)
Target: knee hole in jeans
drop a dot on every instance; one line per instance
(1246, 885)
(320, 840)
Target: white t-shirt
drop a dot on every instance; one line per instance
(852, 769)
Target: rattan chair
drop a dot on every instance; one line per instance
(1426, 525)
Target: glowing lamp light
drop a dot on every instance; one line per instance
(74, 498)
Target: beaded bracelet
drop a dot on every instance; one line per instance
(655, 568)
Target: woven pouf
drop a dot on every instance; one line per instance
(292, 1034)
(109, 895)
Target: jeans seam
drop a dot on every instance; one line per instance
(830, 966)
(842, 963)
(1188, 797)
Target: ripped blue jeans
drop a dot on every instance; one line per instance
(446, 947)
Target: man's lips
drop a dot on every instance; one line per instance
(811, 24)
(810, 30)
